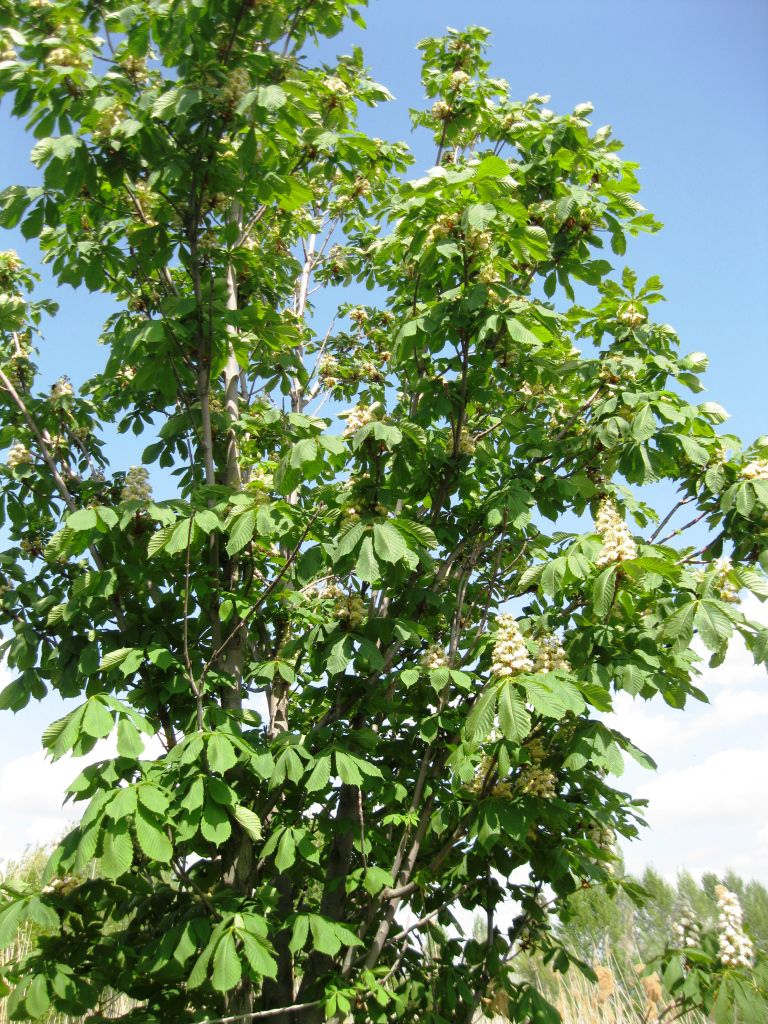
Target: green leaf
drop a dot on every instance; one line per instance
(545, 699)
(347, 769)
(679, 625)
(348, 541)
(117, 857)
(367, 567)
(200, 971)
(152, 839)
(248, 821)
(324, 936)
(259, 954)
(492, 167)
(11, 918)
(519, 333)
(300, 933)
(753, 580)
(97, 721)
(514, 720)
(221, 754)
(159, 539)
(303, 451)
(483, 714)
(215, 825)
(320, 775)
(479, 215)
(714, 626)
(286, 851)
(389, 542)
(84, 519)
(226, 964)
(418, 531)
(129, 742)
(117, 657)
(603, 590)
(242, 531)
(375, 879)
(38, 1000)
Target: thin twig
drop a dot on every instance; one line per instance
(262, 1014)
(668, 516)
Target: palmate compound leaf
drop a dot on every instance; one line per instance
(389, 543)
(129, 741)
(481, 718)
(221, 754)
(117, 855)
(241, 532)
(227, 969)
(11, 918)
(151, 836)
(97, 721)
(248, 821)
(714, 626)
(367, 568)
(319, 775)
(258, 953)
(514, 720)
(603, 590)
(215, 825)
(61, 735)
(329, 936)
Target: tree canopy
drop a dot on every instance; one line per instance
(406, 553)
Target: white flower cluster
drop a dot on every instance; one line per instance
(18, 455)
(488, 275)
(459, 79)
(236, 86)
(602, 836)
(357, 418)
(63, 57)
(538, 782)
(136, 486)
(358, 315)
(536, 750)
(61, 886)
(479, 241)
(136, 67)
(350, 610)
(434, 657)
(327, 369)
(481, 773)
(728, 591)
(632, 316)
(62, 388)
(736, 948)
(686, 929)
(756, 470)
(441, 110)
(550, 656)
(110, 119)
(336, 85)
(443, 226)
(124, 376)
(617, 540)
(510, 655)
(467, 444)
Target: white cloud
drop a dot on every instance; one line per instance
(32, 791)
(728, 784)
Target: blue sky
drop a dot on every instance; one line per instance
(684, 83)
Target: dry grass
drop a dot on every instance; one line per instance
(613, 999)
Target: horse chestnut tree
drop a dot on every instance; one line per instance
(389, 546)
